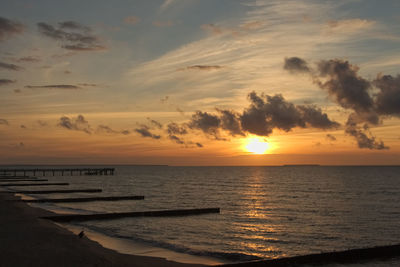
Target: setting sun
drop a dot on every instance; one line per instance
(256, 146)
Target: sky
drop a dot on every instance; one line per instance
(200, 82)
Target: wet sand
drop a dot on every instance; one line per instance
(26, 240)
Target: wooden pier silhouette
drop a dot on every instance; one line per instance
(56, 171)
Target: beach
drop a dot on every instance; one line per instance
(258, 227)
(26, 240)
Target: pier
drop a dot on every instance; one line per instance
(22, 180)
(56, 191)
(82, 199)
(56, 171)
(109, 216)
(32, 184)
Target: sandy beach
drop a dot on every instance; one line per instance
(26, 240)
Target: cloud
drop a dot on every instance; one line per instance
(268, 112)
(144, 131)
(132, 20)
(345, 85)
(212, 28)
(201, 67)
(353, 92)
(9, 28)
(348, 25)
(54, 86)
(206, 122)
(314, 117)
(174, 128)
(363, 137)
(3, 122)
(164, 99)
(41, 123)
(107, 130)
(6, 82)
(28, 59)
(77, 124)
(388, 98)
(166, 4)
(295, 64)
(167, 23)
(72, 36)
(72, 25)
(330, 137)
(176, 139)
(264, 114)
(155, 123)
(230, 121)
(8, 66)
(88, 84)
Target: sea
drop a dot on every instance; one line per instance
(265, 212)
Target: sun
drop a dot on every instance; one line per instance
(256, 145)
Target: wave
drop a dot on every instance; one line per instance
(228, 256)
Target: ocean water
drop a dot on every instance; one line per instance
(266, 212)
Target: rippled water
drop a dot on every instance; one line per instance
(266, 212)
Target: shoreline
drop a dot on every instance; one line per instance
(130, 247)
(26, 240)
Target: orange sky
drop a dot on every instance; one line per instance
(151, 83)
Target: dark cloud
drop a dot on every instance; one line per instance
(6, 82)
(107, 130)
(88, 84)
(351, 91)
(8, 66)
(343, 83)
(9, 28)
(314, 117)
(3, 122)
(264, 114)
(295, 65)
(202, 67)
(28, 59)
(331, 137)
(72, 25)
(54, 86)
(208, 123)
(176, 139)
(230, 121)
(78, 124)
(388, 98)
(144, 131)
(363, 136)
(72, 36)
(269, 112)
(155, 123)
(175, 129)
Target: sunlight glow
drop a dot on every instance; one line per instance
(256, 145)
